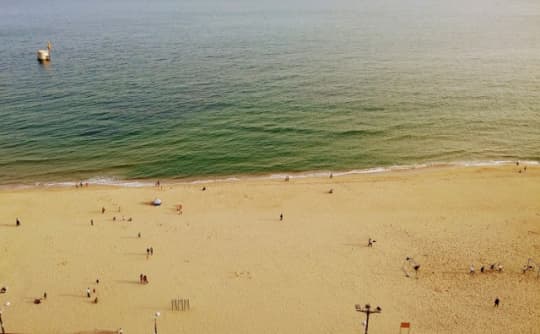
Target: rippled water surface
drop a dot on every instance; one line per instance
(172, 89)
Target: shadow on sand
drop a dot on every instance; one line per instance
(125, 281)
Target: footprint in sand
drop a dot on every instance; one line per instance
(243, 274)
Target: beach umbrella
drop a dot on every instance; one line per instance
(156, 202)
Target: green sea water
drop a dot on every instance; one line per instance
(198, 89)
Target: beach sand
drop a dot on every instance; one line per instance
(245, 271)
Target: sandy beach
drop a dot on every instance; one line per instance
(245, 271)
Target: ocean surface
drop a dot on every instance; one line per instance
(214, 88)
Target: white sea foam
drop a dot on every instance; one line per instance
(111, 181)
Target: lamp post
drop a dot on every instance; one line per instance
(1, 321)
(2, 324)
(367, 310)
(155, 322)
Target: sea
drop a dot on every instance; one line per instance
(210, 89)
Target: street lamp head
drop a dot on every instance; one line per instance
(379, 309)
(368, 306)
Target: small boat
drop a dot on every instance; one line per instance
(44, 55)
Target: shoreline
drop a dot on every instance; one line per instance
(142, 183)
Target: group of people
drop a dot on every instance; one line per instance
(524, 168)
(130, 219)
(492, 267)
(149, 251)
(143, 279)
(89, 294)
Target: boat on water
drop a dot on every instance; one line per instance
(44, 55)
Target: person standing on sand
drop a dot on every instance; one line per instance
(88, 292)
(102, 210)
(151, 250)
(91, 222)
(281, 217)
(497, 301)
(17, 222)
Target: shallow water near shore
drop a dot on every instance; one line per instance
(201, 90)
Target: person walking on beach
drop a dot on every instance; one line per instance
(91, 222)
(281, 217)
(17, 222)
(88, 292)
(370, 242)
(151, 250)
(497, 301)
(471, 269)
(102, 210)
(141, 278)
